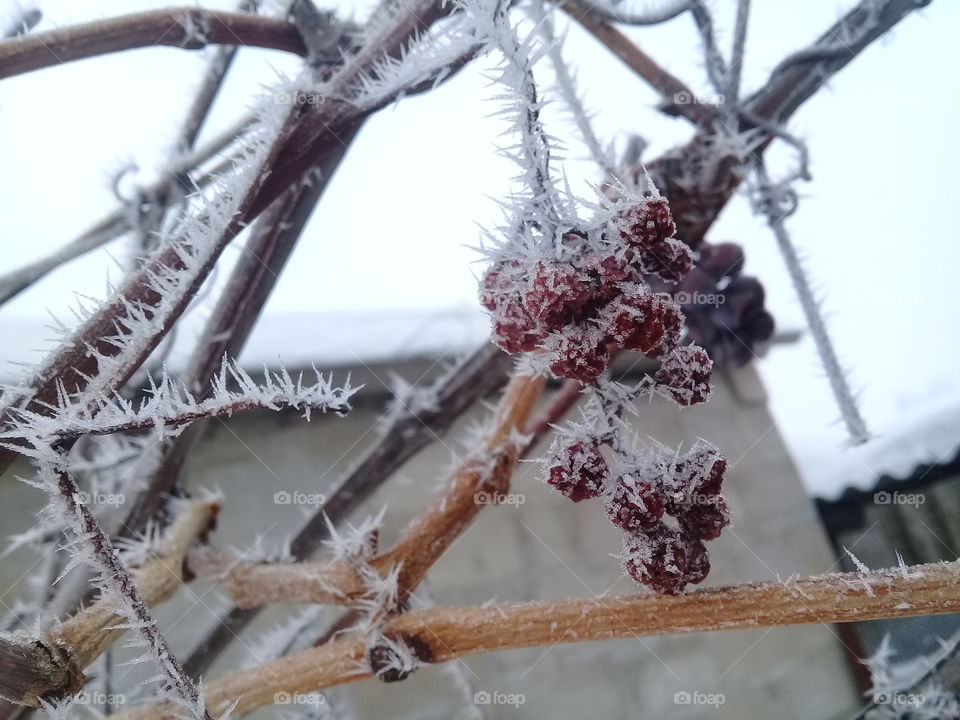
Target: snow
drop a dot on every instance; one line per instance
(926, 436)
(326, 339)
(331, 340)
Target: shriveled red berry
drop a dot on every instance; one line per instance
(721, 260)
(657, 559)
(632, 320)
(634, 505)
(671, 260)
(513, 330)
(648, 223)
(640, 320)
(705, 520)
(498, 285)
(703, 469)
(695, 478)
(577, 353)
(557, 296)
(698, 561)
(491, 287)
(685, 375)
(579, 471)
(671, 317)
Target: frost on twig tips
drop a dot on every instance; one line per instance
(170, 407)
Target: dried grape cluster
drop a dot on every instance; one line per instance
(579, 308)
(666, 508)
(724, 309)
(575, 311)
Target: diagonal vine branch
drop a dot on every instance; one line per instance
(187, 28)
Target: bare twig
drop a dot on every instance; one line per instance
(561, 403)
(206, 94)
(189, 28)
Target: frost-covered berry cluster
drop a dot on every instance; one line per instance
(573, 310)
(581, 307)
(667, 505)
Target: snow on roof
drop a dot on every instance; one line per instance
(928, 436)
(327, 340)
(347, 339)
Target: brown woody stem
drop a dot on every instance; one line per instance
(425, 539)
(446, 633)
(189, 28)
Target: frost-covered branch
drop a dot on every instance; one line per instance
(408, 433)
(539, 216)
(429, 59)
(795, 81)
(716, 66)
(776, 204)
(171, 406)
(188, 28)
(429, 535)
(920, 688)
(732, 91)
(567, 87)
(440, 634)
(52, 662)
(117, 338)
(117, 222)
(352, 580)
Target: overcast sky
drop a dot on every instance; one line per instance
(877, 226)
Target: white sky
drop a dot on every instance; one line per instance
(877, 226)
